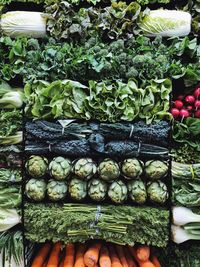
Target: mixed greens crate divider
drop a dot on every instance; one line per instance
(91, 149)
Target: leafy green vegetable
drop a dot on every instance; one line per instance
(8, 176)
(118, 224)
(11, 247)
(188, 132)
(11, 122)
(10, 196)
(104, 101)
(185, 154)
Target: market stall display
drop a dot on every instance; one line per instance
(99, 136)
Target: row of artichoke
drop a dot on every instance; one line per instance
(108, 169)
(97, 190)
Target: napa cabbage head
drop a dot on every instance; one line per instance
(166, 23)
(23, 24)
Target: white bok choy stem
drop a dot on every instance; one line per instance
(182, 216)
(180, 235)
(8, 219)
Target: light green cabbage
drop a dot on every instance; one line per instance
(23, 24)
(167, 23)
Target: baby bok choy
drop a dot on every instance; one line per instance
(186, 225)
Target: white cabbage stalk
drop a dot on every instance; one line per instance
(23, 24)
(179, 235)
(182, 216)
(8, 219)
(166, 23)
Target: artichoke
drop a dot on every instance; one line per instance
(36, 166)
(36, 189)
(137, 191)
(157, 192)
(60, 168)
(132, 168)
(117, 192)
(77, 189)
(84, 168)
(155, 169)
(56, 190)
(97, 189)
(108, 170)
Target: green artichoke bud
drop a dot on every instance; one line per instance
(56, 190)
(132, 168)
(36, 189)
(60, 168)
(157, 192)
(155, 169)
(117, 192)
(108, 170)
(36, 166)
(84, 168)
(77, 189)
(137, 191)
(97, 189)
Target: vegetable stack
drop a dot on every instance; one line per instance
(97, 78)
(11, 238)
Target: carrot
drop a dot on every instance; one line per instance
(129, 258)
(79, 261)
(155, 261)
(121, 255)
(143, 253)
(69, 256)
(92, 255)
(115, 261)
(41, 256)
(104, 259)
(54, 256)
(147, 263)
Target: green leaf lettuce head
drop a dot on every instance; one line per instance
(104, 101)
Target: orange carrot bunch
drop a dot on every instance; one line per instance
(96, 254)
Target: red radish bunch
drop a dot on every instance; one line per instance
(187, 106)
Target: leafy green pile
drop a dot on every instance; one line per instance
(77, 223)
(187, 132)
(11, 247)
(186, 255)
(10, 196)
(185, 154)
(11, 124)
(104, 101)
(8, 176)
(140, 58)
(186, 184)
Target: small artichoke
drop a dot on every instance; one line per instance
(84, 168)
(117, 192)
(108, 170)
(157, 192)
(97, 189)
(137, 191)
(60, 168)
(132, 168)
(77, 189)
(35, 189)
(36, 166)
(56, 190)
(155, 169)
